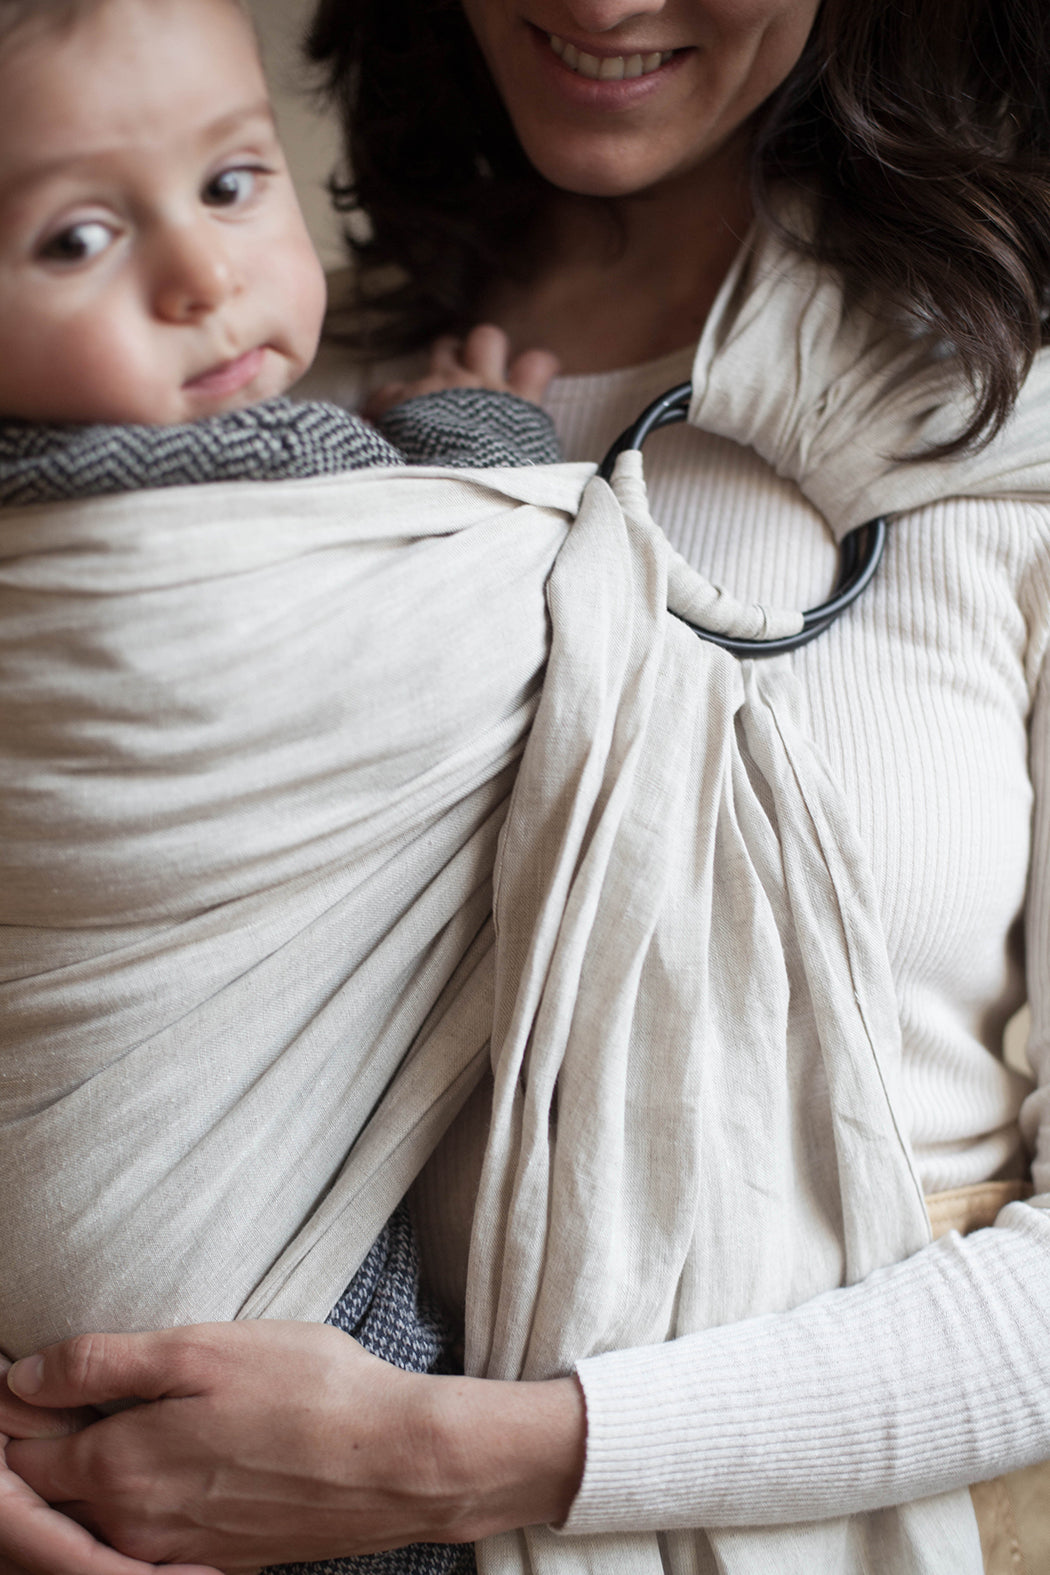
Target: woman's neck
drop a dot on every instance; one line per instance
(627, 281)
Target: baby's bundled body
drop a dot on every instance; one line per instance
(159, 297)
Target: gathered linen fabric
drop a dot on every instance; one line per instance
(855, 405)
(256, 748)
(696, 1046)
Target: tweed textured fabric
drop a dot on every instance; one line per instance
(384, 1308)
(472, 427)
(420, 1558)
(279, 440)
(372, 1308)
(276, 441)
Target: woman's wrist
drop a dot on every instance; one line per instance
(506, 1454)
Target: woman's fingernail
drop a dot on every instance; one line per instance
(27, 1376)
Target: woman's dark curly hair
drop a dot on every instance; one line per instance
(921, 131)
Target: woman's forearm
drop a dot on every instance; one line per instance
(933, 1373)
(264, 1443)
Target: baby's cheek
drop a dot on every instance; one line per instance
(124, 371)
(304, 293)
(65, 370)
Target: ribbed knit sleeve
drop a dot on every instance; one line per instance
(931, 1374)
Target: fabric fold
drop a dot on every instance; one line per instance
(695, 1043)
(851, 397)
(256, 745)
(259, 767)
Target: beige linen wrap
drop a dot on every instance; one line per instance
(259, 765)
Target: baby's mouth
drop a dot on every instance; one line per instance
(609, 68)
(229, 376)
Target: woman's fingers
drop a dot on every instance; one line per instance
(35, 1539)
(256, 1444)
(95, 1369)
(38, 1540)
(19, 1420)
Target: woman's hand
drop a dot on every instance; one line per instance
(481, 360)
(37, 1540)
(265, 1442)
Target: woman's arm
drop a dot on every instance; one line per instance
(292, 1444)
(932, 1373)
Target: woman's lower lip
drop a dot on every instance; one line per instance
(230, 376)
(604, 92)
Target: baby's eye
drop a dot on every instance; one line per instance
(79, 243)
(230, 187)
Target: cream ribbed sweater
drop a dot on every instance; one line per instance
(928, 701)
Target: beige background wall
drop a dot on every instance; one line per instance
(310, 140)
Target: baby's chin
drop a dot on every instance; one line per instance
(238, 384)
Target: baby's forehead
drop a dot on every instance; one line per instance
(22, 16)
(160, 79)
(132, 29)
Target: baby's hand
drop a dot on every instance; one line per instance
(481, 360)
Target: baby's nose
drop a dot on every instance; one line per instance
(194, 275)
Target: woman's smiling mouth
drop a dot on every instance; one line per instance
(609, 68)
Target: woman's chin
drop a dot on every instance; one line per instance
(606, 174)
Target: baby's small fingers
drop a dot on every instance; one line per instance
(381, 399)
(484, 352)
(446, 358)
(530, 374)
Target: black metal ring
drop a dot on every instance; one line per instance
(859, 552)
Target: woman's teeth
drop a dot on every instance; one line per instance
(611, 68)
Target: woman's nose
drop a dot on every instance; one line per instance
(601, 16)
(193, 273)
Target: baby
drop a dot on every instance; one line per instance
(158, 296)
(155, 269)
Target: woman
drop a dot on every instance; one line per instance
(602, 215)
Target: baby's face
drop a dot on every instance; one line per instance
(154, 265)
